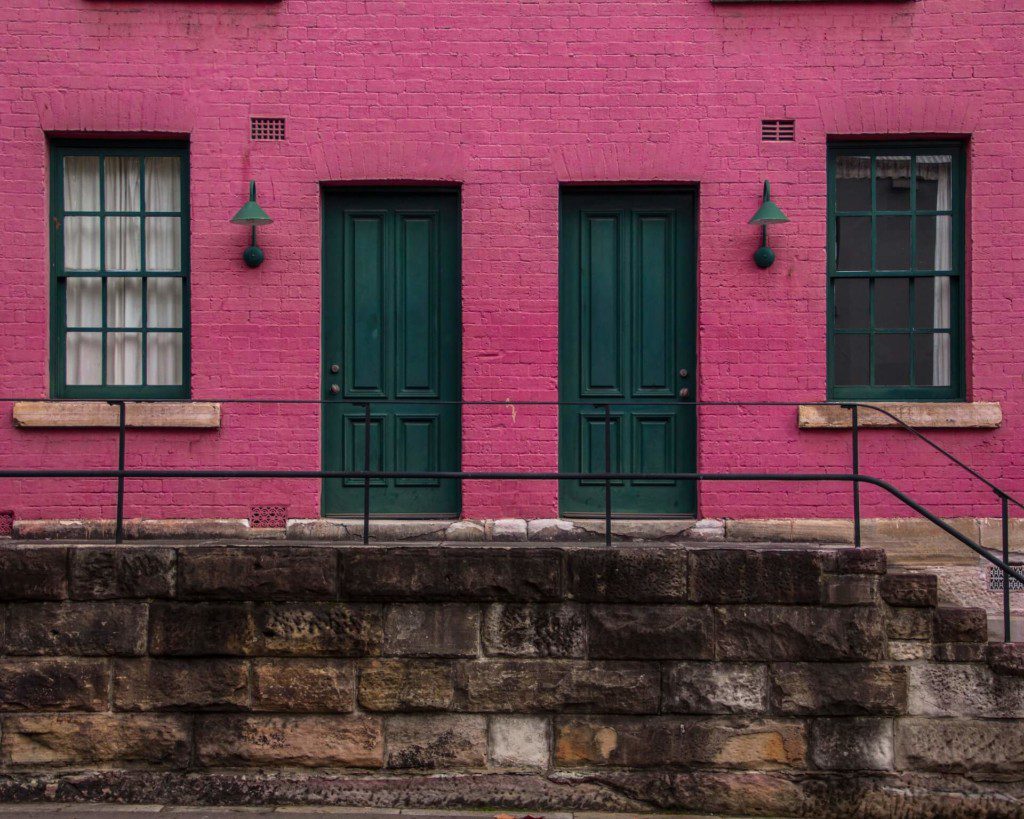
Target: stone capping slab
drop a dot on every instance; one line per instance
(138, 414)
(918, 414)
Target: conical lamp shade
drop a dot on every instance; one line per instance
(768, 214)
(251, 214)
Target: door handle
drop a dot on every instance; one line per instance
(335, 389)
(684, 392)
(683, 373)
(335, 369)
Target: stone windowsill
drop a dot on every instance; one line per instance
(138, 414)
(918, 414)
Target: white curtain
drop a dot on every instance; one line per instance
(938, 168)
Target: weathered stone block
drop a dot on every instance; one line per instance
(303, 685)
(964, 690)
(644, 742)
(519, 742)
(651, 632)
(423, 573)
(850, 590)
(406, 685)
(856, 561)
(716, 688)
(509, 530)
(466, 531)
(910, 650)
(1006, 658)
(954, 624)
(89, 629)
(535, 630)
(201, 629)
(960, 746)
(316, 629)
(628, 574)
(526, 686)
(53, 684)
(849, 689)
(799, 633)
(553, 529)
(958, 652)
(257, 573)
(745, 575)
(910, 589)
(104, 573)
(33, 573)
(436, 741)
(432, 630)
(852, 744)
(64, 740)
(155, 685)
(909, 624)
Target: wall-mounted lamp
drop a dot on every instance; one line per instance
(252, 214)
(767, 214)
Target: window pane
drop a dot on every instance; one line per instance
(893, 243)
(81, 243)
(853, 183)
(163, 359)
(121, 183)
(84, 359)
(853, 243)
(851, 359)
(934, 182)
(163, 183)
(124, 358)
(850, 300)
(124, 302)
(932, 301)
(163, 302)
(81, 183)
(932, 359)
(85, 302)
(892, 359)
(934, 243)
(892, 303)
(123, 245)
(163, 244)
(892, 183)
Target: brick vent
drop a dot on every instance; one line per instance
(268, 516)
(778, 130)
(266, 129)
(995, 579)
(6, 523)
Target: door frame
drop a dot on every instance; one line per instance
(355, 189)
(693, 320)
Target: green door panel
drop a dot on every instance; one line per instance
(392, 326)
(627, 328)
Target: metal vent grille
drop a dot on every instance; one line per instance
(778, 130)
(266, 129)
(6, 523)
(268, 517)
(995, 579)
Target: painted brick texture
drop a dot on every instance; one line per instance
(509, 100)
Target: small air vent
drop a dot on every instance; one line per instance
(778, 130)
(6, 523)
(266, 129)
(995, 579)
(268, 517)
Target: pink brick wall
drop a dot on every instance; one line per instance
(509, 99)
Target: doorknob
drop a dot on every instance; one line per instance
(335, 389)
(683, 373)
(684, 392)
(335, 369)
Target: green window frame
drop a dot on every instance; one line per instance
(151, 289)
(895, 294)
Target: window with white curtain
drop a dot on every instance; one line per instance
(120, 263)
(895, 271)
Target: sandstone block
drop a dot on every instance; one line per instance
(716, 688)
(64, 740)
(960, 745)
(33, 573)
(104, 573)
(850, 689)
(755, 575)
(307, 741)
(964, 690)
(201, 629)
(910, 589)
(644, 742)
(88, 629)
(628, 574)
(432, 630)
(910, 650)
(954, 624)
(303, 685)
(509, 529)
(519, 742)
(317, 629)
(256, 573)
(1006, 658)
(535, 630)
(553, 530)
(852, 744)
(850, 590)
(406, 685)
(799, 633)
(466, 531)
(517, 686)
(909, 624)
(58, 684)
(651, 632)
(436, 741)
(155, 685)
(958, 652)
(856, 561)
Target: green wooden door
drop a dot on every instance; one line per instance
(391, 337)
(627, 307)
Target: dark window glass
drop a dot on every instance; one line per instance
(853, 183)
(851, 363)
(851, 300)
(892, 183)
(892, 235)
(892, 358)
(853, 243)
(892, 304)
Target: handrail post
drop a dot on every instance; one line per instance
(608, 478)
(366, 478)
(119, 523)
(855, 421)
(1006, 560)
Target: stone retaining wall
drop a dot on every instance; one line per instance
(659, 677)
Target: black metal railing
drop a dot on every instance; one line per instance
(856, 478)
